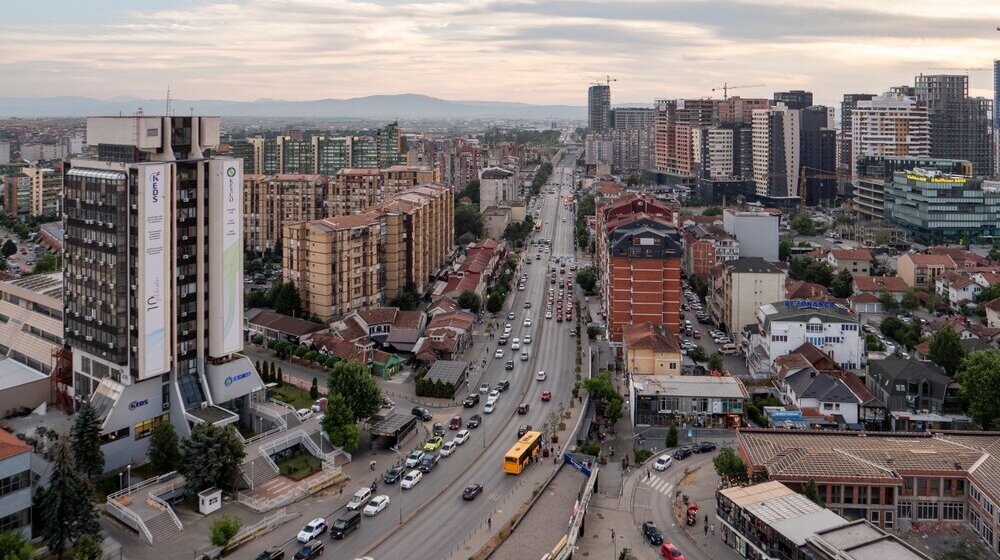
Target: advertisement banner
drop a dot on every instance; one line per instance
(154, 231)
(226, 256)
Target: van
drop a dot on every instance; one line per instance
(345, 525)
(727, 349)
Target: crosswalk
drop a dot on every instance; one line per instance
(660, 485)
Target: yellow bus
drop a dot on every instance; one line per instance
(522, 453)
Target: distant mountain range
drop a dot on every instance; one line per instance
(403, 106)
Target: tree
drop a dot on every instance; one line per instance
(803, 224)
(887, 300)
(600, 386)
(408, 298)
(873, 344)
(811, 490)
(352, 380)
(85, 442)
(715, 362)
(672, 436)
(587, 206)
(495, 302)
(468, 220)
(48, 263)
(86, 548)
(257, 298)
(633, 179)
(472, 191)
(470, 300)
(910, 300)
(287, 300)
(339, 425)
(9, 248)
(314, 389)
(988, 294)
(14, 546)
(281, 376)
(67, 507)
(979, 377)
(164, 453)
(211, 456)
(946, 349)
(784, 250)
(712, 211)
(842, 285)
(586, 278)
(224, 529)
(613, 410)
(697, 354)
(729, 465)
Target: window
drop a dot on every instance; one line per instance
(15, 482)
(814, 327)
(15, 521)
(905, 510)
(114, 436)
(953, 511)
(927, 511)
(873, 516)
(887, 518)
(145, 428)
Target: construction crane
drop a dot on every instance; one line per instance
(606, 81)
(726, 87)
(966, 69)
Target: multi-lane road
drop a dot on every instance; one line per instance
(431, 520)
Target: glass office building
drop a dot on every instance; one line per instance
(938, 206)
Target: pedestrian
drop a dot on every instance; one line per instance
(489, 522)
(706, 520)
(713, 529)
(341, 490)
(371, 464)
(706, 530)
(647, 474)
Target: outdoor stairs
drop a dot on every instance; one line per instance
(339, 459)
(161, 527)
(292, 420)
(260, 472)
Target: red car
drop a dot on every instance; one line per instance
(697, 335)
(456, 423)
(670, 551)
(546, 395)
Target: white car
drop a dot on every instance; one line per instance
(359, 498)
(524, 356)
(377, 504)
(498, 353)
(315, 528)
(414, 459)
(540, 376)
(527, 339)
(461, 437)
(448, 448)
(515, 344)
(304, 413)
(411, 479)
(548, 314)
(527, 322)
(494, 395)
(662, 463)
(490, 407)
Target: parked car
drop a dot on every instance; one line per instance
(652, 533)
(377, 504)
(682, 453)
(662, 463)
(310, 551)
(304, 413)
(313, 529)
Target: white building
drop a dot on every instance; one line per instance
(776, 152)
(720, 162)
(807, 388)
(783, 327)
(889, 125)
(756, 231)
(497, 187)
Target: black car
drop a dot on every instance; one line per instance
(272, 554)
(438, 429)
(682, 452)
(310, 550)
(471, 401)
(421, 413)
(472, 491)
(704, 447)
(502, 341)
(393, 476)
(522, 408)
(428, 462)
(474, 421)
(509, 365)
(503, 386)
(523, 429)
(652, 533)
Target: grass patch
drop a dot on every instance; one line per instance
(295, 396)
(299, 465)
(110, 483)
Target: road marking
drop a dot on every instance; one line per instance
(661, 485)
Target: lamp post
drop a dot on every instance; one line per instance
(128, 469)
(120, 475)
(251, 476)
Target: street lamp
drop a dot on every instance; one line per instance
(120, 475)
(251, 476)
(129, 471)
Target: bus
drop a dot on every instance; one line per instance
(522, 453)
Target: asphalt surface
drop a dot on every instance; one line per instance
(429, 520)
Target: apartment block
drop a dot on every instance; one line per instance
(355, 190)
(743, 286)
(46, 190)
(17, 193)
(755, 230)
(599, 108)
(889, 125)
(959, 124)
(498, 186)
(420, 226)
(846, 140)
(776, 153)
(398, 178)
(270, 202)
(795, 99)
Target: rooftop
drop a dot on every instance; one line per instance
(11, 446)
(691, 386)
(774, 312)
(647, 336)
(283, 323)
(754, 265)
(45, 284)
(789, 513)
(880, 283)
(447, 371)
(860, 540)
(851, 254)
(14, 374)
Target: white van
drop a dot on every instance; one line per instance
(727, 349)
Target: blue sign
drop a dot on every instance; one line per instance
(569, 460)
(809, 304)
(136, 404)
(787, 415)
(234, 378)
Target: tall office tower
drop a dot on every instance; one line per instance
(153, 280)
(243, 150)
(960, 126)
(599, 108)
(776, 153)
(889, 125)
(846, 109)
(818, 154)
(795, 99)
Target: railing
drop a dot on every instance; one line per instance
(264, 435)
(126, 515)
(170, 511)
(136, 487)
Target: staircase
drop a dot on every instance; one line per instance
(332, 454)
(258, 473)
(292, 420)
(161, 527)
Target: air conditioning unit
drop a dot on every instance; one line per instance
(90, 338)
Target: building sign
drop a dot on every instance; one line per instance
(238, 377)
(226, 257)
(939, 180)
(136, 404)
(809, 304)
(154, 231)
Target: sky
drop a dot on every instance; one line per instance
(544, 51)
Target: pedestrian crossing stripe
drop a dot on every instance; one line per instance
(661, 486)
(493, 497)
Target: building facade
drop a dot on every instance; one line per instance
(959, 124)
(497, 187)
(783, 327)
(270, 202)
(31, 320)
(938, 206)
(888, 125)
(744, 285)
(847, 107)
(776, 153)
(873, 173)
(756, 232)
(599, 108)
(46, 190)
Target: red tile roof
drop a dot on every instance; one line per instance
(851, 254)
(378, 315)
(880, 283)
(922, 260)
(11, 446)
(799, 289)
(648, 336)
(285, 323)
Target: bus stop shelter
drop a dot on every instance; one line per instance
(389, 431)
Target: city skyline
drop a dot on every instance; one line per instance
(532, 52)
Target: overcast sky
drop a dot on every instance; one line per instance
(544, 51)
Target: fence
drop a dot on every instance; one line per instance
(129, 518)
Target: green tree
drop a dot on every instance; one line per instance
(712, 211)
(600, 386)
(408, 298)
(811, 490)
(946, 349)
(164, 453)
(472, 191)
(257, 298)
(979, 377)
(633, 179)
(338, 423)
(873, 344)
(586, 278)
(14, 546)
(842, 285)
(224, 529)
(587, 206)
(9, 248)
(729, 465)
(86, 548)
(697, 354)
(784, 250)
(85, 442)
(314, 389)
(470, 300)
(495, 302)
(988, 294)
(803, 224)
(715, 362)
(468, 220)
(67, 507)
(910, 300)
(48, 263)
(352, 380)
(613, 410)
(287, 300)
(887, 300)
(211, 457)
(993, 256)
(672, 436)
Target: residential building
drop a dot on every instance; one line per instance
(938, 206)
(676, 156)
(818, 154)
(755, 230)
(332, 154)
(270, 325)
(31, 320)
(355, 190)
(826, 394)
(475, 272)
(295, 155)
(739, 110)
(419, 237)
(959, 124)
(497, 187)
(873, 173)
(398, 178)
(632, 148)
(270, 202)
(16, 482)
(744, 285)
(918, 395)
(152, 219)
(649, 349)
(598, 149)
(847, 107)
(890, 126)
(993, 313)
(4, 153)
(957, 289)
(856, 261)
(46, 190)
(782, 327)
(920, 269)
(599, 108)
(776, 153)
(703, 401)
(707, 246)
(389, 146)
(876, 285)
(795, 99)
(17, 194)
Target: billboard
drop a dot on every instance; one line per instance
(225, 261)
(154, 233)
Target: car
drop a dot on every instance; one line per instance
(359, 498)
(271, 554)
(527, 305)
(652, 533)
(316, 407)
(448, 448)
(696, 335)
(474, 421)
(484, 388)
(682, 452)
(411, 479)
(472, 491)
(507, 328)
(377, 504)
(540, 376)
(428, 463)
(414, 459)
(662, 463)
(310, 551)
(461, 437)
(523, 429)
(498, 353)
(313, 529)
(304, 413)
(503, 385)
(527, 322)
(509, 365)
(502, 341)
(548, 314)
(471, 400)
(668, 550)
(433, 444)
(455, 423)
(490, 407)
(421, 413)
(387, 402)
(392, 476)
(438, 429)
(515, 344)
(527, 339)
(524, 356)
(546, 396)
(704, 447)
(510, 316)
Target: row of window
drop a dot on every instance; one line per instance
(15, 482)
(142, 430)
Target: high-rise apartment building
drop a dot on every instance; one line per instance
(270, 202)
(675, 122)
(4, 153)
(153, 293)
(996, 94)
(632, 138)
(737, 110)
(398, 178)
(776, 153)
(46, 190)
(497, 187)
(959, 124)
(794, 99)
(17, 193)
(889, 125)
(847, 125)
(599, 108)
(818, 154)
(355, 190)
(625, 118)
(295, 154)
